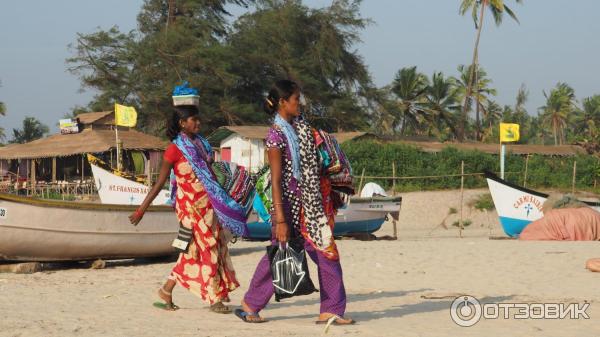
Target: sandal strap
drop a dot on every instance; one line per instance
(246, 313)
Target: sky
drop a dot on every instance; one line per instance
(556, 41)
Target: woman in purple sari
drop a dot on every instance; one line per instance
(300, 210)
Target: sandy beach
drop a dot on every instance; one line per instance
(391, 286)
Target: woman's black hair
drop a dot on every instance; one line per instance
(180, 112)
(282, 89)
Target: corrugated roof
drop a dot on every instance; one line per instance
(559, 150)
(251, 132)
(248, 131)
(87, 141)
(343, 137)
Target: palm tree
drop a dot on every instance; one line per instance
(2, 113)
(409, 86)
(442, 104)
(560, 104)
(520, 115)
(522, 97)
(477, 9)
(481, 94)
(32, 129)
(491, 120)
(589, 119)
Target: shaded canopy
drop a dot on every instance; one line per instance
(87, 141)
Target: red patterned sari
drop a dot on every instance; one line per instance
(206, 268)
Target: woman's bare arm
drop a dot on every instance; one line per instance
(281, 226)
(165, 171)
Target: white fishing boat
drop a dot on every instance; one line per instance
(46, 230)
(361, 215)
(516, 205)
(118, 188)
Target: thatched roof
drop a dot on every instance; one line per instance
(249, 132)
(559, 150)
(87, 141)
(96, 117)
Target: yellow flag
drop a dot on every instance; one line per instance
(125, 115)
(509, 132)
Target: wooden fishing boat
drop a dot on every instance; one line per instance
(361, 215)
(46, 230)
(516, 205)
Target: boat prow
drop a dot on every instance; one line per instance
(517, 206)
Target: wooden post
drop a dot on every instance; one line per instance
(249, 155)
(394, 178)
(525, 176)
(32, 174)
(18, 174)
(82, 168)
(53, 170)
(462, 190)
(362, 177)
(574, 175)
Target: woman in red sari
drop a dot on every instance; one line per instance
(205, 267)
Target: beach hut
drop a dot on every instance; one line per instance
(243, 145)
(62, 157)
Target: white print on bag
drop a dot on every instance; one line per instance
(278, 282)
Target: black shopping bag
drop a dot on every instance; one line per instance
(290, 270)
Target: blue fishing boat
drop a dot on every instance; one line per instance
(361, 215)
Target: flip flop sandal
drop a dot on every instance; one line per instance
(333, 320)
(334, 323)
(244, 316)
(220, 309)
(165, 306)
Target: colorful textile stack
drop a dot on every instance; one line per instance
(264, 198)
(334, 162)
(337, 171)
(237, 181)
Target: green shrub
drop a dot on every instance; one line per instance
(376, 159)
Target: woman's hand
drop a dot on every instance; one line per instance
(136, 217)
(282, 232)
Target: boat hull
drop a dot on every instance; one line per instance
(517, 206)
(40, 230)
(116, 190)
(362, 215)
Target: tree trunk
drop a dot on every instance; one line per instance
(477, 124)
(171, 13)
(554, 131)
(472, 70)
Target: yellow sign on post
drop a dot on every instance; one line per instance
(125, 115)
(509, 132)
